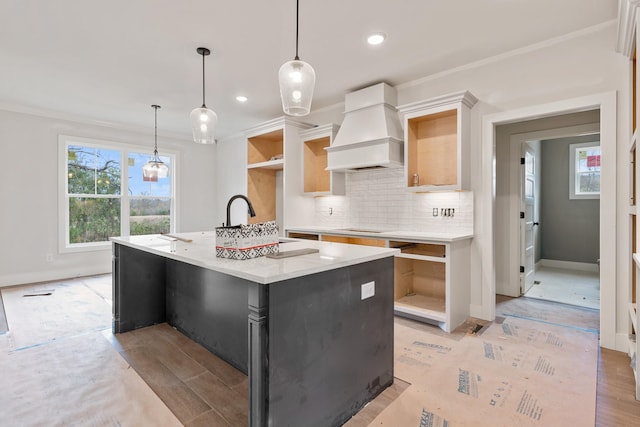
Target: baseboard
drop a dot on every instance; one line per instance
(622, 343)
(569, 265)
(50, 275)
(477, 311)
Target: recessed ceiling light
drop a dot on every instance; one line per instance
(241, 98)
(376, 38)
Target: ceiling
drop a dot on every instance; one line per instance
(108, 61)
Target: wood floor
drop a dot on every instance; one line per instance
(202, 390)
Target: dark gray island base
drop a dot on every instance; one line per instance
(315, 351)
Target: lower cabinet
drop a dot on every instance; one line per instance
(431, 280)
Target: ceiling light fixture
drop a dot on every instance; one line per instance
(241, 98)
(155, 168)
(203, 120)
(376, 38)
(297, 80)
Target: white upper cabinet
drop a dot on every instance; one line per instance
(318, 181)
(436, 137)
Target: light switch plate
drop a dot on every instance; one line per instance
(367, 290)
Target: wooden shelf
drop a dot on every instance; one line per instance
(305, 236)
(263, 148)
(423, 306)
(353, 240)
(270, 164)
(425, 249)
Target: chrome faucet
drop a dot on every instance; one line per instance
(238, 196)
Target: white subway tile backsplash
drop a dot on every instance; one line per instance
(378, 199)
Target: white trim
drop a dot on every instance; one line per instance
(59, 115)
(513, 53)
(572, 171)
(568, 265)
(626, 40)
(77, 270)
(64, 141)
(606, 102)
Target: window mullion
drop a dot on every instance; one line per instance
(125, 210)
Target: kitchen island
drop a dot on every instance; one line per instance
(432, 270)
(314, 332)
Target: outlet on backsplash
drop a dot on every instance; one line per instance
(447, 212)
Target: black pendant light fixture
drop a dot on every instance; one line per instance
(297, 81)
(155, 168)
(203, 119)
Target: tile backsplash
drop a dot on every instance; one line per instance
(378, 199)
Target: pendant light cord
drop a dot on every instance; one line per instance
(203, 103)
(155, 146)
(297, 18)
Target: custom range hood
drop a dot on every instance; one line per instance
(370, 135)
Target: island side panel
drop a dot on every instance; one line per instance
(330, 351)
(138, 289)
(258, 354)
(210, 308)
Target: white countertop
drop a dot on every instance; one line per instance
(413, 236)
(202, 252)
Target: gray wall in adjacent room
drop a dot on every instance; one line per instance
(569, 228)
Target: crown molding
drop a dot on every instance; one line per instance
(513, 53)
(627, 13)
(58, 115)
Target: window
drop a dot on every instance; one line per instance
(103, 194)
(584, 170)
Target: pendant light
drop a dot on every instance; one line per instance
(297, 80)
(155, 168)
(203, 120)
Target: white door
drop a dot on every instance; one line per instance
(527, 221)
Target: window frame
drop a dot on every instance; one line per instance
(573, 149)
(64, 141)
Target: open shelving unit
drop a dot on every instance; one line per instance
(437, 147)
(265, 158)
(273, 172)
(317, 180)
(427, 287)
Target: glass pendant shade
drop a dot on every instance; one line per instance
(203, 123)
(297, 81)
(155, 168)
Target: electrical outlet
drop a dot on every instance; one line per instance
(367, 290)
(49, 257)
(330, 211)
(435, 211)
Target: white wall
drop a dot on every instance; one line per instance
(582, 64)
(29, 210)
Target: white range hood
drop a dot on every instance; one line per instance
(370, 135)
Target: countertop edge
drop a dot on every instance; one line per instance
(238, 268)
(387, 235)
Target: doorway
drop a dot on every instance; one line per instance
(494, 211)
(560, 213)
